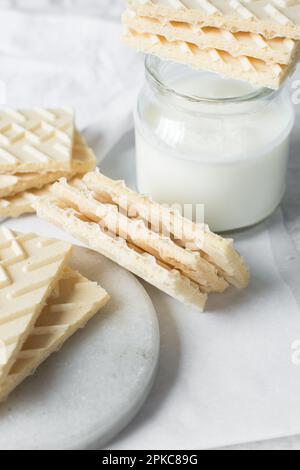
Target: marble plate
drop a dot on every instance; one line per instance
(89, 391)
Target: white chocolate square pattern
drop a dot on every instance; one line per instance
(271, 18)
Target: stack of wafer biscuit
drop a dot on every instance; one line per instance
(37, 147)
(42, 303)
(181, 258)
(252, 40)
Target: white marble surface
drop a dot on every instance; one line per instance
(33, 74)
(84, 395)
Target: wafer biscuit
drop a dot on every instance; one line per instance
(255, 71)
(73, 303)
(135, 231)
(122, 252)
(271, 18)
(217, 250)
(30, 267)
(277, 50)
(37, 140)
(83, 161)
(22, 203)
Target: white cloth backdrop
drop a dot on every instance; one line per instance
(46, 57)
(74, 54)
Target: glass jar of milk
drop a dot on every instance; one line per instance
(204, 139)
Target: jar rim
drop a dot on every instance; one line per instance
(151, 66)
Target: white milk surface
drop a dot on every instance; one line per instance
(230, 157)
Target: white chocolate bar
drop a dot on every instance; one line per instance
(37, 140)
(134, 230)
(149, 239)
(30, 267)
(271, 18)
(22, 203)
(277, 50)
(255, 71)
(73, 303)
(83, 161)
(117, 249)
(217, 250)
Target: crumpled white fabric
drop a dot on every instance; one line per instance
(77, 60)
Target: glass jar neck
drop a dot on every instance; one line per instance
(203, 92)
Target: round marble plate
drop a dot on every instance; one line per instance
(88, 392)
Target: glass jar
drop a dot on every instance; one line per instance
(203, 139)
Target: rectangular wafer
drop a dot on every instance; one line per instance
(276, 50)
(179, 257)
(83, 160)
(271, 18)
(72, 304)
(122, 252)
(134, 230)
(37, 140)
(255, 71)
(22, 203)
(217, 250)
(30, 267)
